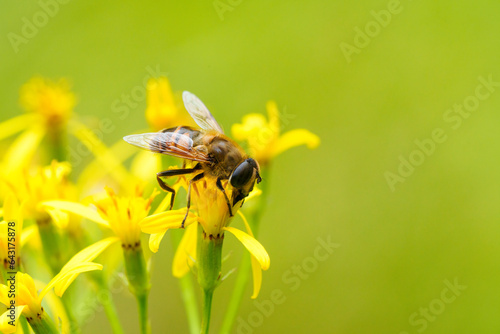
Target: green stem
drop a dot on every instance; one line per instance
(109, 305)
(207, 308)
(75, 328)
(255, 211)
(138, 278)
(24, 325)
(81, 239)
(51, 245)
(209, 257)
(188, 293)
(57, 143)
(142, 302)
(43, 325)
(55, 258)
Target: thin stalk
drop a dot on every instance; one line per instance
(109, 305)
(24, 325)
(81, 239)
(138, 278)
(57, 143)
(209, 257)
(207, 308)
(51, 245)
(142, 302)
(238, 292)
(44, 325)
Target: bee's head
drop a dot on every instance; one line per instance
(244, 176)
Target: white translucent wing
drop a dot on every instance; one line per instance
(200, 113)
(170, 143)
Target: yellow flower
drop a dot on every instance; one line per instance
(164, 109)
(263, 136)
(121, 214)
(212, 214)
(53, 101)
(12, 234)
(27, 295)
(46, 183)
(124, 214)
(49, 106)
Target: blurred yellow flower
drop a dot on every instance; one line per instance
(212, 213)
(263, 136)
(26, 294)
(49, 105)
(46, 183)
(53, 101)
(164, 109)
(12, 234)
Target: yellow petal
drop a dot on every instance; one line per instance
(160, 222)
(4, 295)
(77, 209)
(164, 204)
(22, 149)
(11, 208)
(28, 233)
(60, 218)
(185, 253)
(294, 138)
(5, 326)
(251, 125)
(254, 193)
(145, 164)
(252, 245)
(86, 255)
(15, 125)
(256, 269)
(68, 274)
(155, 240)
(274, 117)
(56, 306)
(257, 277)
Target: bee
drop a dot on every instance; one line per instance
(218, 157)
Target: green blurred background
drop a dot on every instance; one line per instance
(396, 247)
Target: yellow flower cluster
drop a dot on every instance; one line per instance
(46, 208)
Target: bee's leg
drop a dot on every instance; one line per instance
(188, 205)
(173, 172)
(221, 188)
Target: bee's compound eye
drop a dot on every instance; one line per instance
(242, 174)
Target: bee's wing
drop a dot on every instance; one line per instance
(200, 113)
(170, 143)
